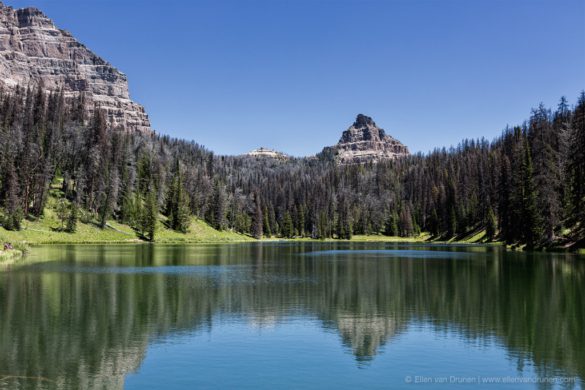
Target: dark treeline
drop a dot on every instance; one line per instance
(527, 186)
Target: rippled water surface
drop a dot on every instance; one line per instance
(292, 315)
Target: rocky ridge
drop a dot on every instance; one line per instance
(34, 52)
(365, 142)
(265, 152)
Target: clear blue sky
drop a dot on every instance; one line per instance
(292, 75)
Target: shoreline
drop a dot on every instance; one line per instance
(8, 257)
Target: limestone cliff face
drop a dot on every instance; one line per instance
(365, 142)
(35, 52)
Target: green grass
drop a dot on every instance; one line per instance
(199, 231)
(380, 238)
(8, 257)
(48, 230)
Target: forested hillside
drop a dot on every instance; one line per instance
(525, 187)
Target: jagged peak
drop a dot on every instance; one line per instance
(363, 142)
(363, 121)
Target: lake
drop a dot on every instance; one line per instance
(292, 315)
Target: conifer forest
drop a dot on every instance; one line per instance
(526, 187)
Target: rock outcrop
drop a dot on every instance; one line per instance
(269, 153)
(33, 52)
(365, 142)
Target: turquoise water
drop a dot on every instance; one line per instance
(292, 315)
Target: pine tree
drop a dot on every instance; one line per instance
(576, 165)
(178, 203)
(344, 228)
(452, 222)
(218, 209)
(287, 226)
(405, 223)
(62, 211)
(505, 202)
(344, 223)
(391, 227)
(491, 225)
(14, 214)
(451, 207)
(433, 223)
(150, 216)
(266, 223)
(72, 218)
(562, 126)
(257, 218)
(546, 169)
(532, 225)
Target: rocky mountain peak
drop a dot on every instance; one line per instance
(31, 17)
(363, 121)
(365, 142)
(34, 52)
(363, 129)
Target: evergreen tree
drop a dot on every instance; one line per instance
(491, 225)
(504, 204)
(344, 223)
(13, 211)
(433, 223)
(266, 223)
(62, 211)
(287, 226)
(178, 203)
(405, 223)
(217, 216)
(576, 165)
(391, 227)
(546, 169)
(72, 218)
(150, 216)
(257, 219)
(532, 228)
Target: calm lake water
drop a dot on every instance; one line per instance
(292, 315)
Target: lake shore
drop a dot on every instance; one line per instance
(36, 233)
(9, 256)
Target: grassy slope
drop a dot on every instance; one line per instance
(199, 231)
(46, 231)
(476, 237)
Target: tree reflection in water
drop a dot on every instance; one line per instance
(86, 318)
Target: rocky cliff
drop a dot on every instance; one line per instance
(35, 52)
(365, 142)
(268, 153)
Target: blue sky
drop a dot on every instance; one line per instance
(292, 75)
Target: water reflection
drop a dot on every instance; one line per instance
(86, 318)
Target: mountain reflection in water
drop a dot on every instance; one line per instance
(86, 318)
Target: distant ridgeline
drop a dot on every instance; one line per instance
(268, 153)
(526, 187)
